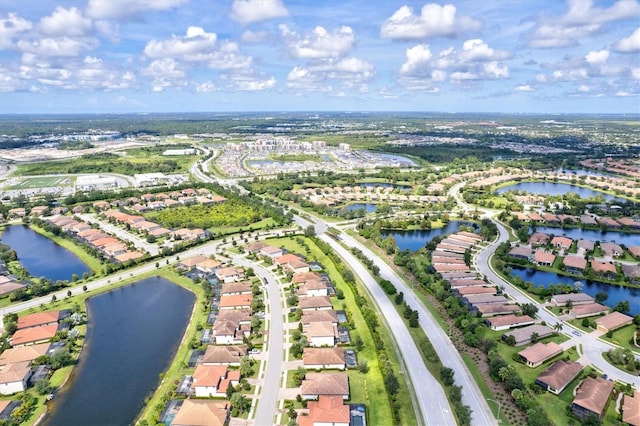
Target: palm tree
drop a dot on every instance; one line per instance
(557, 327)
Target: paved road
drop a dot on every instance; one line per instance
(429, 394)
(448, 354)
(138, 242)
(269, 396)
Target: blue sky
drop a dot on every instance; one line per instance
(542, 56)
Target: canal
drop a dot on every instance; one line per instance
(414, 240)
(616, 293)
(41, 256)
(132, 335)
(556, 188)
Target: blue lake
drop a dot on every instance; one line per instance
(132, 335)
(368, 207)
(555, 188)
(588, 234)
(41, 256)
(417, 239)
(616, 293)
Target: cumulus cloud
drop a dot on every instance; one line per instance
(206, 87)
(11, 26)
(58, 46)
(116, 9)
(248, 11)
(165, 73)
(476, 61)
(629, 44)
(197, 45)
(524, 88)
(433, 21)
(348, 72)
(65, 22)
(249, 82)
(580, 21)
(320, 43)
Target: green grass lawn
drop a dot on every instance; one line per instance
(623, 337)
(43, 182)
(379, 411)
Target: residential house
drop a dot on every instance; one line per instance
(224, 355)
(326, 411)
(24, 353)
(16, 213)
(572, 298)
(583, 311)
(588, 220)
(213, 380)
(42, 318)
(315, 303)
(591, 397)
(631, 409)
(235, 301)
(611, 249)
(605, 269)
(197, 412)
(631, 272)
(7, 407)
(613, 321)
(544, 258)
(254, 248)
(521, 252)
(477, 299)
(608, 222)
(323, 358)
(240, 287)
(561, 243)
(628, 222)
(538, 239)
(330, 384)
(14, 377)
(321, 334)
(38, 211)
(538, 353)
(506, 322)
(634, 251)
(313, 288)
(523, 335)
(493, 309)
(585, 246)
(229, 274)
(558, 376)
(191, 263)
(327, 315)
(574, 263)
(127, 256)
(467, 291)
(551, 218)
(271, 252)
(34, 335)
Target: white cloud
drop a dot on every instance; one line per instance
(351, 73)
(165, 73)
(524, 88)
(65, 22)
(249, 82)
(254, 36)
(197, 45)
(206, 87)
(494, 70)
(320, 43)
(58, 47)
(629, 44)
(11, 26)
(417, 57)
(248, 11)
(477, 50)
(597, 57)
(116, 9)
(434, 21)
(580, 21)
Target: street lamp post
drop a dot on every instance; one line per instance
(499, 405)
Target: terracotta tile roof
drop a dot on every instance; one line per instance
(237, 287)
(321, 329)
(574, 261)
(593, 394)
(24, 353)
(589, 309)
(540, 352)
(323, 356)
(14, 372)
(224, 354)
(209, 375)
(509, 320)
(309, 317)
(315, 302)
(326, 410)
(199, 412)
(34, 334)
(193, 261)
(544, 257)
(41, 318)
(286, 258)
(130, 255)
(614, 320)
(603, 267)
(631, 409)
(232, 300)
(325, 384)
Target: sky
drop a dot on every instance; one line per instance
(508, 56)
